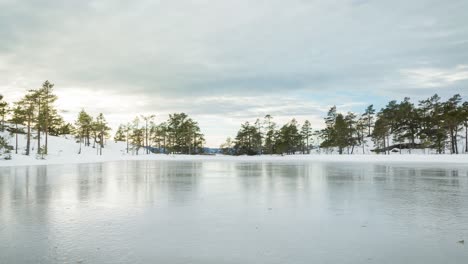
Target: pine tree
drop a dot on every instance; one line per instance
(28, 106)
(83, 128)
(407, 122)
(182, 135)
(328, 134)
(270, 134)
(35, 96)
(350, 120)
(148, 120)
(100, 131)
(120, 134)
(18, 118)
(453, 120)
(5, 149)
(306, 133)
(248, 140)
(464, 117)
(381, 132)
(227, 147)
(361, 127)
(3, 112)
(49, 113)
(137, 135)
(432, 132)
(369, 117)
(341, 134)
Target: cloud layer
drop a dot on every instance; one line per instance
(233, 60)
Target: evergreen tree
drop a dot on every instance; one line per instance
(353, 137)
(183, 135)
(453, 119)
(5, 149)
(406, 123)
(270, 134)
(28, 106)
(83, 128)
(289, 138)
(464, 117)
(120, 135)
(361, 127)
(137, 135)
(381, 132)
(245, 139)
(306, 134)
(258, 138)
(147, 121)
(100, 132)
(368, 117)
(49, 114)
(227, 147)
(341, 134)
(18, 118)
(432, 132)
(328, 134)
(3, 112)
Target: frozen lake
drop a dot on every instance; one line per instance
(234, 212)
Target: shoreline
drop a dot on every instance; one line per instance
(460, 159)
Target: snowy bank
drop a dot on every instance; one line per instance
(446, 159)
(64, 150)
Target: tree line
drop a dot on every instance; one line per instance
(179, 134)
(36, 117)
(264, 137)
(432, 124)
(34, 111)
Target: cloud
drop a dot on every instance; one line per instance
(435, 77)
(237, 58)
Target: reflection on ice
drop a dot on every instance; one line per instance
(233, 212)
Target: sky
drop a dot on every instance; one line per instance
(224, 62)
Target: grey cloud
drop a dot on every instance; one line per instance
(186, 50)
(173, 47)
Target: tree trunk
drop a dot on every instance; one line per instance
(16, 143)
(101, 144)
(146, 137)
(385, 146)
(46, 129)
(28, 137)
(46, 121)
(369, 125)
(39, 128)
(81, 139)
(102, 139)
(466, 138)
(46, 139)
(452, 151)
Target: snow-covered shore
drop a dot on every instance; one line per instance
(415, 158)
(64, 150)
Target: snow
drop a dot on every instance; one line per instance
(64, 150)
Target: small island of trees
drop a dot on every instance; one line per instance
(36, 117)
(432, 125)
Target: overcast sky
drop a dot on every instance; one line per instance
(224, 61)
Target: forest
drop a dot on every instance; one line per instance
(431, 124)
(36, 117)
(440, 126)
